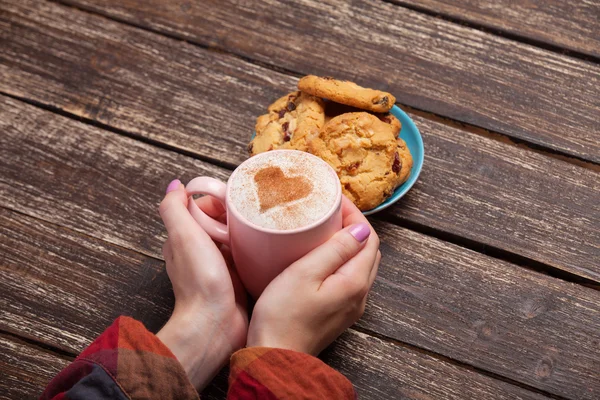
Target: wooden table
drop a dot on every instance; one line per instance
(490, 278)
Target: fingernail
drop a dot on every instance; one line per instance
(174, 185)
(360, 231)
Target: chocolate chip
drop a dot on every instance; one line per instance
(383, 101)
(291, 106)
(250, 147)
(282, 113)
(328, 78)
(397, 165)
(286, 134)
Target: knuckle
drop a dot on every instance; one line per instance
(164, 206)
(377, 241)
(179, 239)
(342, 249)
(362, 290)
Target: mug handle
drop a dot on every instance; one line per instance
(213, 187)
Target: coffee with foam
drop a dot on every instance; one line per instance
(284, 190)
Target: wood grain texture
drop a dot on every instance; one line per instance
(54, 297)
(26, 369)
(574, 25)
(519, 201)
(91, 180)
(143, 83)
(513, 88)
(535, 329)
(379, 370)
(430, 294)
(481, 189)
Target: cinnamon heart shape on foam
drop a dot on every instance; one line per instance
(274, 188)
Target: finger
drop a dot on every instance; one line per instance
(374, 270)
(371, 281)
(211, 206)
(350, 213)
(241, 296)
(327, 258)
(167, 251)
(176, 217)
(360, 267)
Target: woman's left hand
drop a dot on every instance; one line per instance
(210, 319)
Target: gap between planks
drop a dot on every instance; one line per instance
(81, 233)
(490, 251)
(460, 241)
(44, 347)
(496, 31)
(500, 137)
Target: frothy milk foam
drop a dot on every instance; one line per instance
(283, 189)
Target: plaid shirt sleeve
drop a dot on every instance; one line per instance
(267, 373)
(128, 362)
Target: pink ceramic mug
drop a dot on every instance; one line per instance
(260, 253)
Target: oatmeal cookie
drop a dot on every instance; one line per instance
(291, 121)
(346, 92)
(363, 150)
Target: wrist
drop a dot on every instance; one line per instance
(291, 341)
(198, 346)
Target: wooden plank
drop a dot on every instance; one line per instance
(430, 294)
(63, 288)
(26, 369)
(121, 77)
(507, 197)
(496, 194)
(574, 25)
(87, 179)
(379, 370)
(488, 313)
(513, 88)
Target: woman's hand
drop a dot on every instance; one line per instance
(315, 299)
(210, 320)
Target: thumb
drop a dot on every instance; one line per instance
(328, 257)
(173, 209)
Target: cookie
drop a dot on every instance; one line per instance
(291, 121)
(346, 92)
(394, 122)
(363, 150)
(333, 109)
(406, 161)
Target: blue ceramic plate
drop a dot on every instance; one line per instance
(414, 141)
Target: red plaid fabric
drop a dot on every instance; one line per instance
(128, 362)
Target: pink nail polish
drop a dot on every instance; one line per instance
(360, 231)
(174, 185)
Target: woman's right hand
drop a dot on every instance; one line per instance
(319, 296)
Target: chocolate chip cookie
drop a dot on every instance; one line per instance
(291, 121)
(366, 155)
(346, 92)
